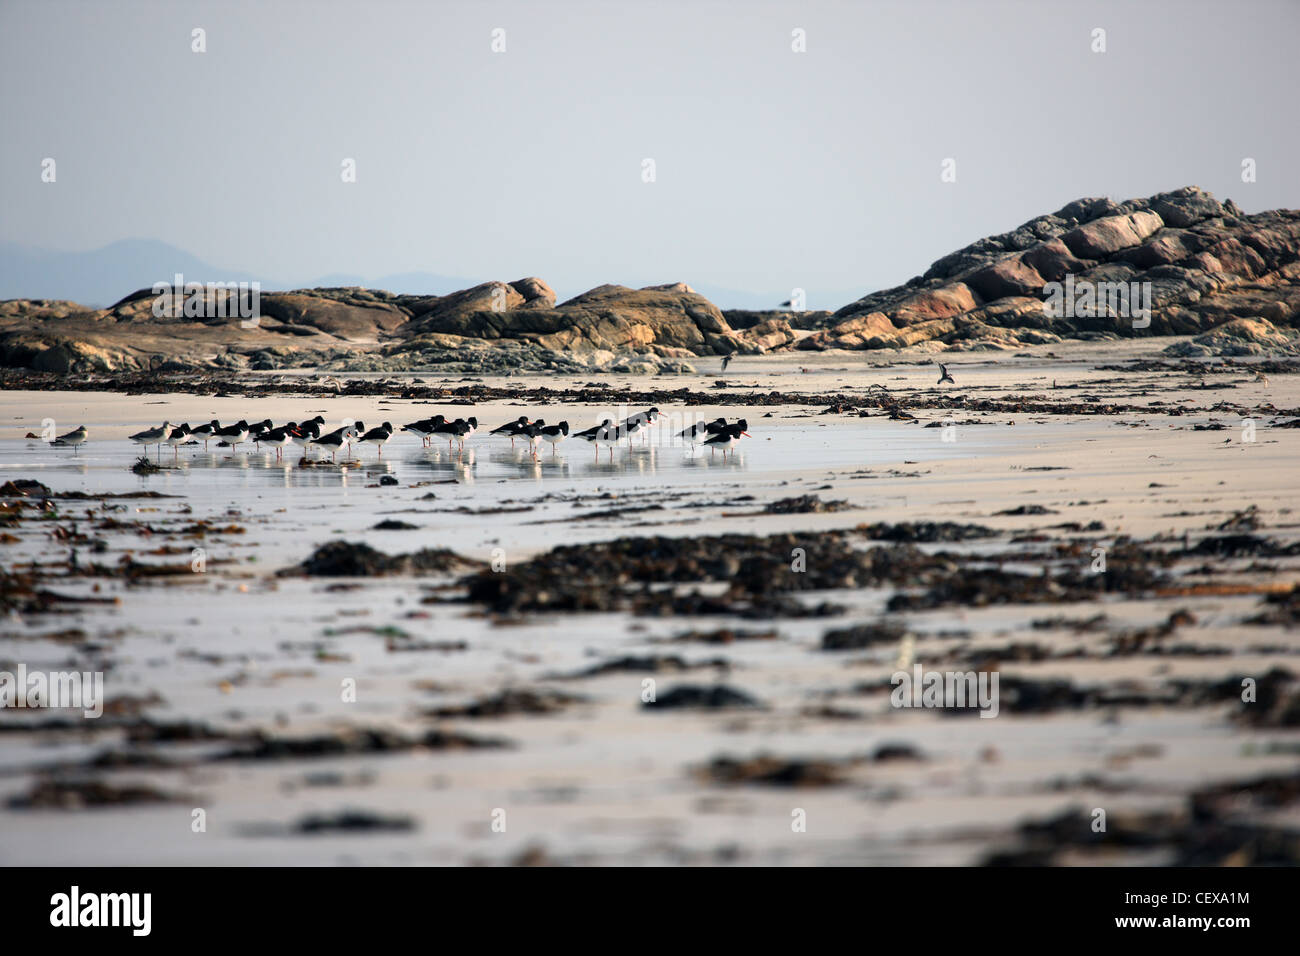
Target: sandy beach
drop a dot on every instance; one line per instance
(497, 722)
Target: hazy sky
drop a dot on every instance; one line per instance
(774, 169)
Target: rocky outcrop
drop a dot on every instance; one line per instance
(1239, 337)
(666, 320)
(1200, 265)
(658, 328)
(1201, 262)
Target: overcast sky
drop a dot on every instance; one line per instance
(774, 169)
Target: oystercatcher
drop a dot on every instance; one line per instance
(377, 437)
(554, 434)
(534, 434)
(727, 438)
(698, 432)
(465, 427)
(594, 432)
(337, 439)
(609, 437)
(205, 433)
(277, 438)
(458, 430)
(639, 422)
(944, 376)
(153, 436)
(232, 435)
(305, 432)
(73, 438)
(255, 431)
(424, 428)
(512, 429)
(179, 436)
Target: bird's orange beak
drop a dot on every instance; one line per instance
(746, 434)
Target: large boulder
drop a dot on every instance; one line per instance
(947, 300)
(1104, 237)
(852, 333)
(1009, 276)
(1053, 260)
(1186, 207)
(352, 319)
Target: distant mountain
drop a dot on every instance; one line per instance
(100, 277)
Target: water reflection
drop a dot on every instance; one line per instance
(248, 469)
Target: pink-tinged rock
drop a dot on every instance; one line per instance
(873, 323)
(1104, 237)
(1013, 312)
(952, 299)
(918, 332)
(1164, 250)
(1206, 263)
(536, 293)
(1187, 206)
(1009, 276)
(1053, 260)
(1237, 258)
(769, 335)
(1272, 245)
(850, 334)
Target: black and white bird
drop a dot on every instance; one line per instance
(179, 436)
(232, 435)
(337, 439)
(153, 436)
(72, 439)
(205, 433)
(726, 360)
(639, 422)
(256, 429)
(726, 439)
(512, 429)
(700, 431)
(607, 437)
(554, 434)
(277, 438)
(303, 435)
(532, 433)
(377, 437)
(456, 431)
(466, 428)
(943, 375)
(596, 433)
(424, 428)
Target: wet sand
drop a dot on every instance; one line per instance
(252, 655)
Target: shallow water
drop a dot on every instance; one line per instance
(242, 649)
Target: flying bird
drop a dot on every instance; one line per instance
(943, 375)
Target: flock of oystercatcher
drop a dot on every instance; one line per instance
(717, 435)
